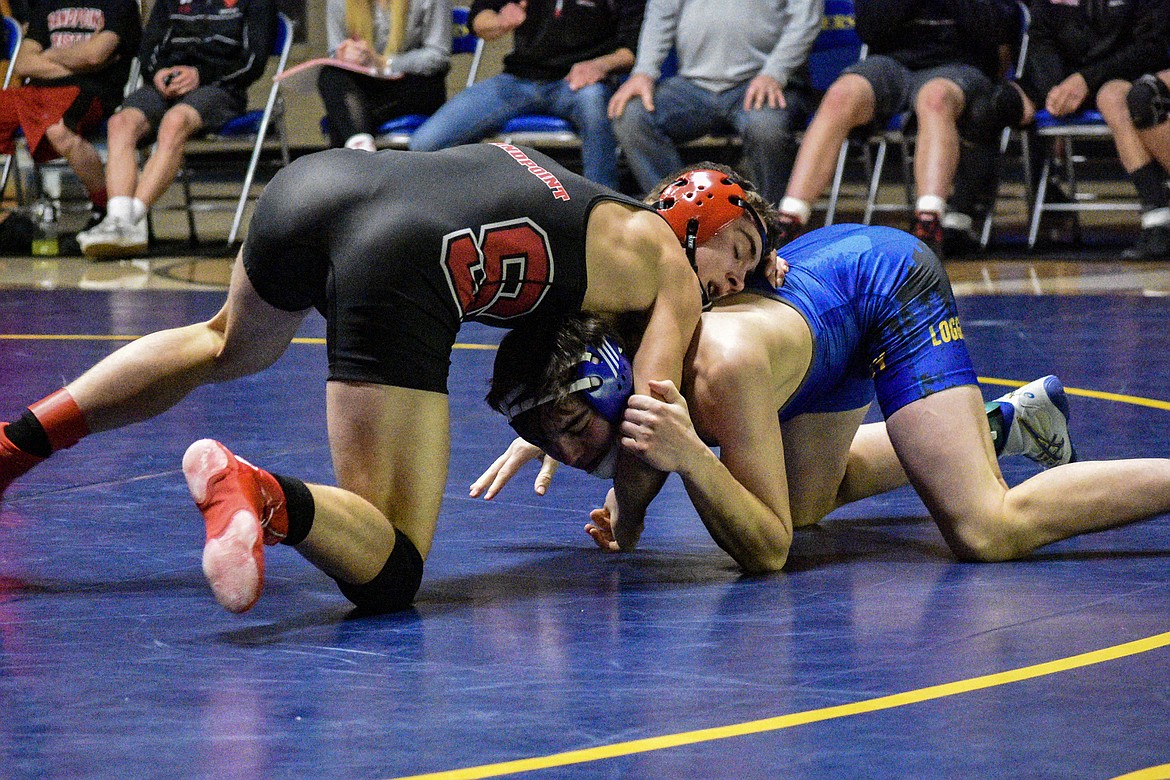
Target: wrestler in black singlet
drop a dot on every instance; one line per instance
(395, 249)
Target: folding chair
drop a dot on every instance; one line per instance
(1062, 134)
(538, 130)
(395, 134)
(899, 132)
(13, 36)
(1008, 133)
(835, 49)
(874, 148)
(252, 129)
(528, 129)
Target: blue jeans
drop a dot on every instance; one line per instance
(684, 111)
(482, 109)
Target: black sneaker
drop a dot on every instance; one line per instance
(957, 242)
(17, 231)
(1153, 244)
(928, 229)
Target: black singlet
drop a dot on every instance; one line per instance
(396, 249)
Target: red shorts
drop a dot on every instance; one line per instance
(35, 109)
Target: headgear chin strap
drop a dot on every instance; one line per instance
(604, 375)
(700, 203)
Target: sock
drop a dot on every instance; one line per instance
(299, 509)
(51, 424)
(138, 210)
(29, 436)
(1005, 434)
(932, 204)
(100, 199)
(1150, 182)
(798, 209)
(120, 207)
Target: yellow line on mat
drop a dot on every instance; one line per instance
(1136, 400)
(117, 337)
(1160, 772)
(602, 752)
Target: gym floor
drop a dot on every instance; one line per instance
(530, 652)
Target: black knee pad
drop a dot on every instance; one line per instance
(988, 113)
(1149, 102)
(394, 587)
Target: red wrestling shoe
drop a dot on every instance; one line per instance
(244, 509)
(928, 229)
(13, 461)
(787, 229)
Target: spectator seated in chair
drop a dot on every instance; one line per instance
(198, 59)
(407, 40)
(72, 65)
(564, 60)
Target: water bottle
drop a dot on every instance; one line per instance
(44, 215)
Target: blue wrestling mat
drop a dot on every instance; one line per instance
(531, 653)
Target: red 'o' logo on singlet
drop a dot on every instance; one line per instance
(502, 274)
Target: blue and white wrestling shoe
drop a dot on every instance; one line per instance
(1036, 418)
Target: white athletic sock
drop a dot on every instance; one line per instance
(121, 207)
(795, 207)
(363, 141)
(139, 209)
(1156, 218)
(932, 204)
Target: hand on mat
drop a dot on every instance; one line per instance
(518, 454)
(606, 527)
(600, 528)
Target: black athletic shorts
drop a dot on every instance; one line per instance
(397, 249)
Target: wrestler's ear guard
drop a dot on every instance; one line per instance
(610, 379)
(604, 375)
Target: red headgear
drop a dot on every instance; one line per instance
(702, 202)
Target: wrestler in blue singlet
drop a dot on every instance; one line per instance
(883, 320)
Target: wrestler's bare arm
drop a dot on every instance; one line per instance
(741, 497)
(635, 263)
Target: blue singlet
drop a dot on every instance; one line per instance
(883, 320)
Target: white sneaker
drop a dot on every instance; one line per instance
(113, 237)
(1036, 416)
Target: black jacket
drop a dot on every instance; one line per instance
(1100, 39)
(227, 41)
(557, 34)
(927, 33)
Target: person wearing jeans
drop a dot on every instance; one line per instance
(565, 54)
(742, 68)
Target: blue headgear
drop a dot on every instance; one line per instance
(604, 375)
(610, 379)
